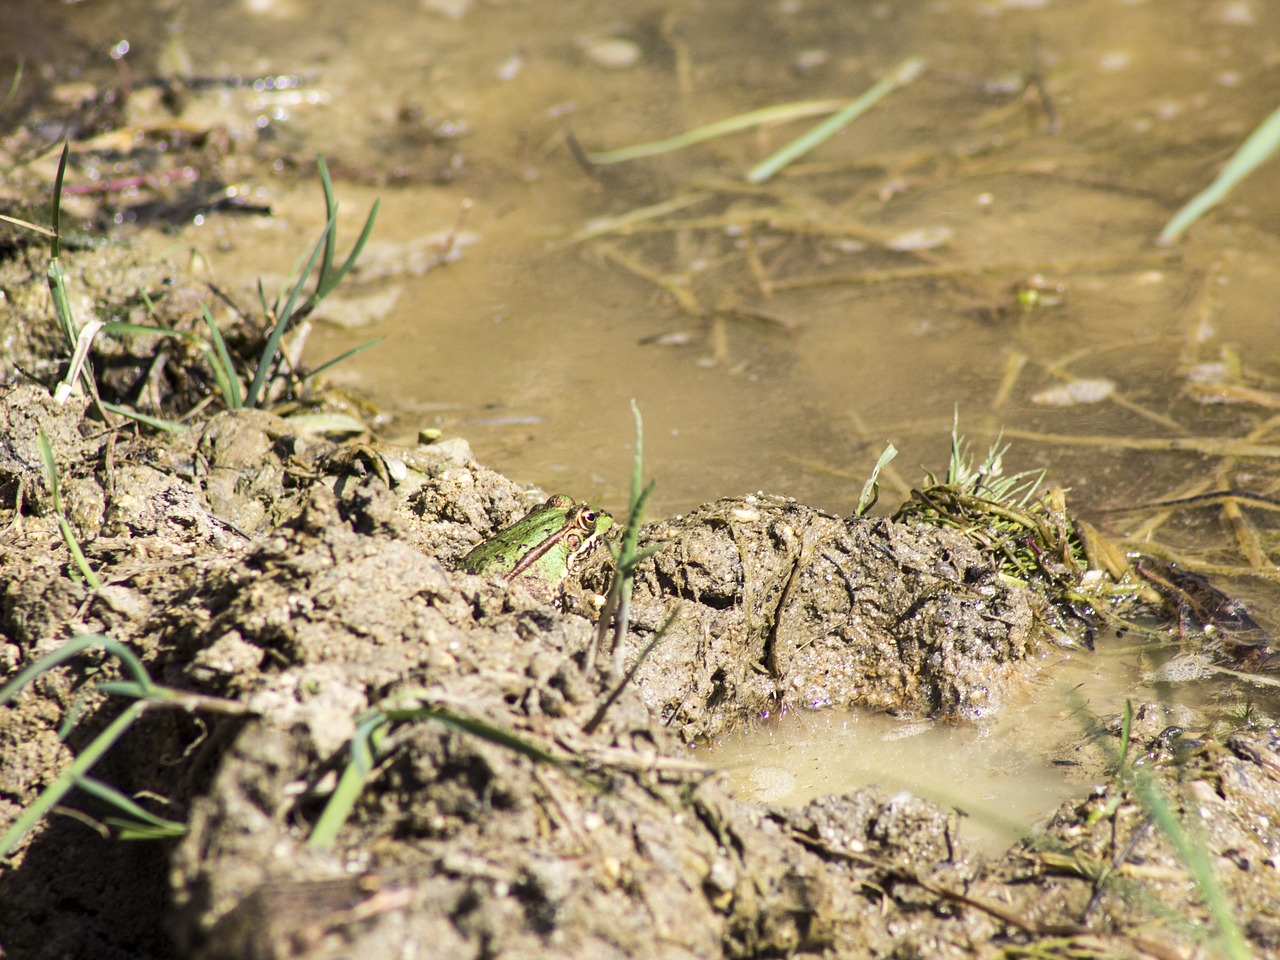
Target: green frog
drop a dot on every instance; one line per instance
(543, 547)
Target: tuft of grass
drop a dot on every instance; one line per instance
(370, 742)
(997, 511)
(285, 312)
(1025, 531)
(294, 308)
(147, 696)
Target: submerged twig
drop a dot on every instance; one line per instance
(778, 113)
(928, 271)
(1210, 446)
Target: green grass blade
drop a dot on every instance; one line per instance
(659, 635)
(56, 215)
(639, 494)
(303, 275)
(77, 556)
(133, 689)
(871, 489)
(262, 299)
(61, 305)
(326, 286)
(479, 728)
(616, 612)
(157, 423)
(1257, 147)
(365, 746)
(73, 647)
(224, 371)
(340, 357)
(68, 535)
(135, 830)
(330, 278)
(57, 279)
(637, 462)
(50, 469)
(141, 824)
(1126, 733)
(720, 128)
(14, 84)
(330, 214)
(282, 321)
(1195, 856)
(907, 71)
(66, 781)
(350, 785)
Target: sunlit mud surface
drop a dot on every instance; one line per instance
(975, 243)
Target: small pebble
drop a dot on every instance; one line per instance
(809, 60)
(453, 9)
(1075, 392)
(613, 53)
(922, 238)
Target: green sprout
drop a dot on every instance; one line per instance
(285, 312)
(51, 476)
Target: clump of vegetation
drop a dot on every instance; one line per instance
(1026, 530)
(1084, 578)
(253, 374)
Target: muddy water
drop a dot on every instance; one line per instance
(775, 337)
(996, 772)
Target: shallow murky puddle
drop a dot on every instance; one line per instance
(980, 242)
(1004, 775)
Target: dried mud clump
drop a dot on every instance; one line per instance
(783, 607)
